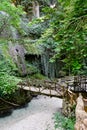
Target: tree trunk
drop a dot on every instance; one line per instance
(36, 11)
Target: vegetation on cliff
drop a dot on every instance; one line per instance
(53, 34)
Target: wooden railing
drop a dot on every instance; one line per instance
(47, 87)
(56, 88)
(79, 84)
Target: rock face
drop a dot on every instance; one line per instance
(6, 30)
(81, 115)
(16, 51)
(4, 25)
(18, 55)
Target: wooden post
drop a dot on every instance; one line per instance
(50, 89)
(39, 89)
(85, 83)
(28, 84)
(55, 86)
(21, 86)
(36, 10)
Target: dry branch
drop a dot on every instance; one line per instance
(13, 104)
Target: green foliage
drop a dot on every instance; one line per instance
(36, 30)
(37, 27)
(62, 30)
(69, 26)
(12, 11)
(31, 69)
(7, 61)
(38, 76)
(72, 37)
(46, 40)
(63, 122)
(8, 82)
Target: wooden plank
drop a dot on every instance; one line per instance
(48, 92)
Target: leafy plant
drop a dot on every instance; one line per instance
(12, 11)
(63, 122)
(10, 17)
(69, 32)
(38, 76)
(6, 63)
(8, 82)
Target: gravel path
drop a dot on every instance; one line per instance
(37, 116)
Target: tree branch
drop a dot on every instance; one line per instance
(13, 104)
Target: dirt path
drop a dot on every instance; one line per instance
(37, 116)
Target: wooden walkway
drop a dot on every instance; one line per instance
(79, 84)
(48, 88)
(56, 88)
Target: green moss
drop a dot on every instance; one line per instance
(32, 49)
(4, 52)
(31, 46)
(32, 69)
(38, 76)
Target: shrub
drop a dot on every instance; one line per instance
(63, 122)
(8, 84)
(38, 76)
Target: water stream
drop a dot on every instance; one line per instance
(36, 116)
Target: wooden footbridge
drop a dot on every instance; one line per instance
(56, 88)
(46, 87)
